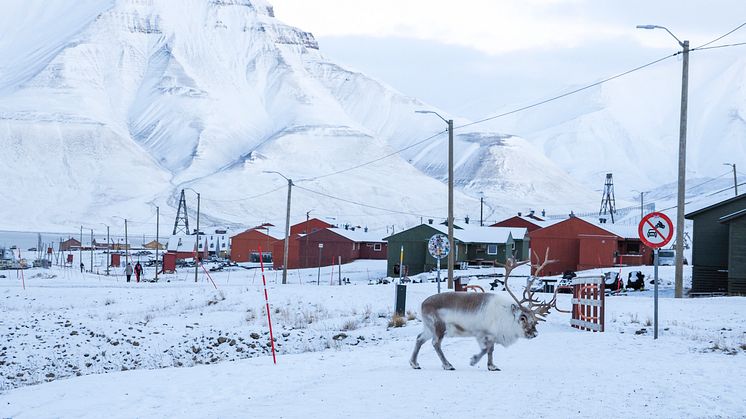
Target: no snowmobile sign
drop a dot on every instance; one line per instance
(655, 230)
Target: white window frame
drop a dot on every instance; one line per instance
(377, 247)
(490, 246)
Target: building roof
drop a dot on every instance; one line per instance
(730, 217)
(476, 234)
(358, 235)
(715, 205)
(625, 231)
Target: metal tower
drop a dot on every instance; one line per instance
(182, 221)
(607, 201)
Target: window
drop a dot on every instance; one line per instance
(491, 249)
(633, 247)
(377, 247)
(512, 246)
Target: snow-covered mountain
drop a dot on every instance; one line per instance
(112, 108)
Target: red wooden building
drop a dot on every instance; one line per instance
(245, 245)
(305, 227)
(278, 252)
(530, 222)
(578, 244)
(350, 245)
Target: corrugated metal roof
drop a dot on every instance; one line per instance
(476, 234)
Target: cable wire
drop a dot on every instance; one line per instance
(570, 92)
(723, 36)
(364, 205)
(373, 161)
(719, 46)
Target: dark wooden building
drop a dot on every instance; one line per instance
(70, 244)
(719, 247)
(309, 226)
(478, 245)
(530, 222)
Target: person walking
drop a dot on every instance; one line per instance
(128, 271)
(138, 271)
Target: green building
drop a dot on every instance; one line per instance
(474, 245)
(719, 247)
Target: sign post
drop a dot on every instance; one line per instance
(439, 247)
(656, 231)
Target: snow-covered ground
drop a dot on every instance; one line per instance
(80, 345)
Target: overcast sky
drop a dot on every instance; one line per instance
(473, 57)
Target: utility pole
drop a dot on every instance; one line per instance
(287, 236)
(450, 204)
(679, 261)
(735, 178)
(108, 252)
(80, 249)
(196, 257)
(481, 211)
(157, 242)
(126, 244)
(679, 282)
(308, 231)
(91, 268)
(641, 205)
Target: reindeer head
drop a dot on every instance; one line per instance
(529, 310)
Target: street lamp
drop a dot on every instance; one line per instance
(287, 228)
(108, 249)
(735, 178)
(196, 245)
(450, 194)
(679, 281)
(305, 258)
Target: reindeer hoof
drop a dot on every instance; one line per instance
(473, 361)
(492, 368)
(414, 365)
(448, 367)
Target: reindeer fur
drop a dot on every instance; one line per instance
(488, 317)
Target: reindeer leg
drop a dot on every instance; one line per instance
(421, 339)
(484, 344)
(490, 365)
(440, 332)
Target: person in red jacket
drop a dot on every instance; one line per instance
(138, 271)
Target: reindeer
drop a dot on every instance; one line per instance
(488, 317)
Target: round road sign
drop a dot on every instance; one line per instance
(438, 246)
(655, 230)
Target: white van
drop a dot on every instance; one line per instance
(666, 257)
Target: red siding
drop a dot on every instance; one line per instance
(367, 250)
(517, 222)
(314, 224)
(278, 253)
(334, 246)
(565, 242)
(243, 244)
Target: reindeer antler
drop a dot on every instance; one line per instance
(539, 308)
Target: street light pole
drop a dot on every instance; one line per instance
(735, 178)
(196, 262)
(287, 228)
(450, 195)
(91, 268)
(80, 249)
(157, 241)
(679, 261)
(481, 210)
(305, 258)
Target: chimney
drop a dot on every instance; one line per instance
(429, 220)
(466, 220)
(543, 213)
(519, 213)
(532, 213)
(572, 214)
(366, 229)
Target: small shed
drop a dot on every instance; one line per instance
(718, 247)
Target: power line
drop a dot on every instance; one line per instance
(570, 92)
(364, 205)
(247, 198)
(722, 36)
(719, 46)
(373, 161)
